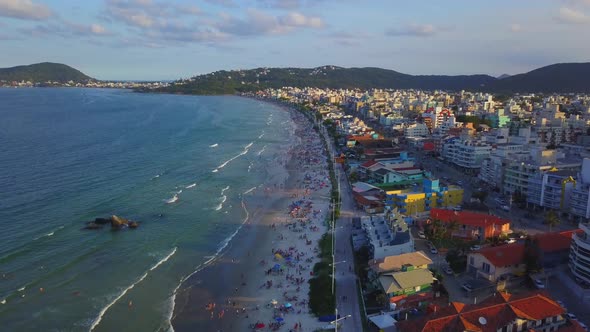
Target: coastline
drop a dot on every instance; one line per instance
(234, 280)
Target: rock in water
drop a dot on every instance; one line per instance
(118, 222)
(102, 221)
(133, 224)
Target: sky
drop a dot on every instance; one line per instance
(163, 40)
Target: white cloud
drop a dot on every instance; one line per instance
(260, 23)
(67, 29)
(24, 10)
(515, 27)
(413, 30)
(571, 16)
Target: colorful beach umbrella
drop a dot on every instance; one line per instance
(279, 319)
(278, 256)
(288, 305)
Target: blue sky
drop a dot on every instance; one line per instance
(149, 39)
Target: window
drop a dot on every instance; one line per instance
(485, 267)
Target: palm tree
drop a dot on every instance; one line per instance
(452, 226)
(551, 219)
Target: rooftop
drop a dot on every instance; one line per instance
(467, 217)
(395, 263)
(505, 255)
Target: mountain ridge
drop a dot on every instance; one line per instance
(564, 77)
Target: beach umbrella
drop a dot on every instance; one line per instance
(276, 267)
(289, 259)
(278, 256)
(259, 326)
(288, 305)
(274, 302)
(279, 319)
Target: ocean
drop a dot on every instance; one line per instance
(180, 165)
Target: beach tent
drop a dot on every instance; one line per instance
(276, 267)
(288, 305)
(274, 302)
(279, 319)
(259, 326)
(383, 321)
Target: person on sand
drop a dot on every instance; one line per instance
(130, 304)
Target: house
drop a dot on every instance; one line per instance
(417, 260)
(386, 237)
(406, 282)
(494, 262)
(472, 225)
(534, 311)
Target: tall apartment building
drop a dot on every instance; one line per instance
(580, 196)
(466, 153)
(551, 189)
(579, 260)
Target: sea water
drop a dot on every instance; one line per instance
(180, 165)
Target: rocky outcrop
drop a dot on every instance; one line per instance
(115, 221)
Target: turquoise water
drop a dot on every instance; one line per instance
(178, 164)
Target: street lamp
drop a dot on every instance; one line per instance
(334, 271)
(335, 322)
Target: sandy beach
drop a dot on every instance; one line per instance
(262, 277)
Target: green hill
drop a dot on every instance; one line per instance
(229, 82)
(43, 72)
(555, 78)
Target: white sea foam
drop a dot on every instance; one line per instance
(261, 151)
(106, 308)
(246, 149)
(22, 288)
(171, 200)
(214, 145)
(261, 135)
(190, 186)
(223, 199)
(155, 177)
(50, 233)
(249, 190)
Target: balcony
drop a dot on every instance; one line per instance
(581, 242)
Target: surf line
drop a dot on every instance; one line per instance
(246, 149)
(108, 306)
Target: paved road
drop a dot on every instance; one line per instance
(345, 279)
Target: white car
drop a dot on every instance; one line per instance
(433, 251)
(421, 234)
(448, 270)
(475, 247)
(571, 316)
(582, 325)
(467, 286)
(510, 240)
(539, 284)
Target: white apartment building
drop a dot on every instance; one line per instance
(579, 260)
(492, 168)
(551, 189)
(466, 153)
(580, 197)
(416, 129)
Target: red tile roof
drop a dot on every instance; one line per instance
(467, 217)
(555, 241)
(505, 255)
(497, 311)
(368, 163)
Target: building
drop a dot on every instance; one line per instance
(467, 154)
(472, 225)
(580, 197)
(420, 200)
(493, 263)
(551, 189)
(409, 282)
(579, 259)
(397, 263)
(416, 129)
(386, 237)
(502, 312)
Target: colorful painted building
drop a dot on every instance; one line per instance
(422, 199)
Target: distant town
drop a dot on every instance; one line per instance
(471, 209)
(87, 84)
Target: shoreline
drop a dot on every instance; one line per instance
(233, 280)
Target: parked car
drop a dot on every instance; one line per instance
(582, 325)
(448, 270)
(539, 284)
(433, 251)
(467, 286)
(505, 208)
(421, 234)
(458, 208)
(475, 247)
(571, 316)
(510, 240)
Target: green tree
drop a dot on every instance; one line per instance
(531, 256)
(552, 219)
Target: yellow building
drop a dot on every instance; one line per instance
(419, 200)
